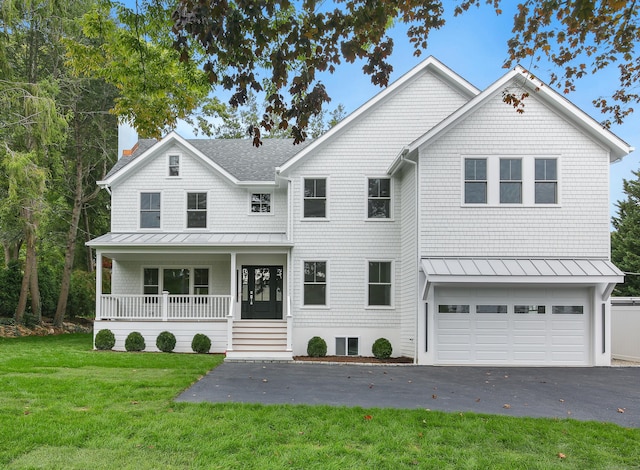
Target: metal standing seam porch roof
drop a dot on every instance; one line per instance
(519, 270)
(164, 239)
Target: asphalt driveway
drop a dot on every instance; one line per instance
(607, 394)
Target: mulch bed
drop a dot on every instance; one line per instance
(356, 359)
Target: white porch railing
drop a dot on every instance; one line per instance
(164, 307)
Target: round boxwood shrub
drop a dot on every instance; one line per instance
(382, 348)
(166, 341)
(201, 344)
(317, 347)
(105, 340)
(134, 342)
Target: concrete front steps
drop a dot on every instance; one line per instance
(256, 340)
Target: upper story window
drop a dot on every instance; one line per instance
(174, 165)
(379, 283)
(505, 181)
(150, 210)
(379, 198)
(261, 203)
(315, 283)
(196, 210)
(546, 175)
(510, 181)
(475, 180)
(315, 197)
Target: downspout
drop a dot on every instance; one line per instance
(416, 208)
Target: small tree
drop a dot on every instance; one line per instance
(625, 241)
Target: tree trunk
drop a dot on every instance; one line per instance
(11, 252)
(34, 286)
(91, 267)
(71, 246)
(26, 277)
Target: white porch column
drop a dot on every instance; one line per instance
(98, 283)
(165, 305)
(289, 312)
(233, 291)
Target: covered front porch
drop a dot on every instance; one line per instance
(230, 287)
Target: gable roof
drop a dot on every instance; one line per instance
(236, 159)
(430, 64)
(618, 148)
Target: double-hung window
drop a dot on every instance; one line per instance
(546, 181)
(196, 210)
(174, 165)
(475, 180)
(379, 198)
(315, 283)
(315, 197)
(379, 292)
(149, 210)
(151, 281)
(510, 181)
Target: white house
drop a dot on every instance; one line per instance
(435, 216)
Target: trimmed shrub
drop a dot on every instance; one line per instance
(382, 348)
(105, 340)
(166, 341)
(317, 347)
(201, 344)
(134, 342)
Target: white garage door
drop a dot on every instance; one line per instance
(512, 326)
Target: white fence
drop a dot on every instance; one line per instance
(625, 328)
(163, 307)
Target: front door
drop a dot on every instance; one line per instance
(262, 292)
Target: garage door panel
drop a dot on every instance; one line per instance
(497, 340)
(526, 340)
(454, 338)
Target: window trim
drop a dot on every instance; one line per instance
(271, 212)
(391, 305)
(206, 211)
(174, 154)
(326, 304)
(528, 180)
(139, 213)
(190, 267)
(390, 218)
(326, 198)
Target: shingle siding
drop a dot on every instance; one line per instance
(227, 204)
(576, 227)
(347, 240)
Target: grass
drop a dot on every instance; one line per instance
(64, 406)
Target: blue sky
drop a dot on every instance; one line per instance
(474, 46)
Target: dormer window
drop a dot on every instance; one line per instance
(174, 165)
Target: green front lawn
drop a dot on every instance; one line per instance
(64, 406)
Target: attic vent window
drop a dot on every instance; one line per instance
(174, 165)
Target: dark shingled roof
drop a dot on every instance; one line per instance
(237, 156)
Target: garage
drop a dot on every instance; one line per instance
(519, 326)
(517, 312)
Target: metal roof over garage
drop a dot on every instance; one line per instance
(492, 267)
(520, 270)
